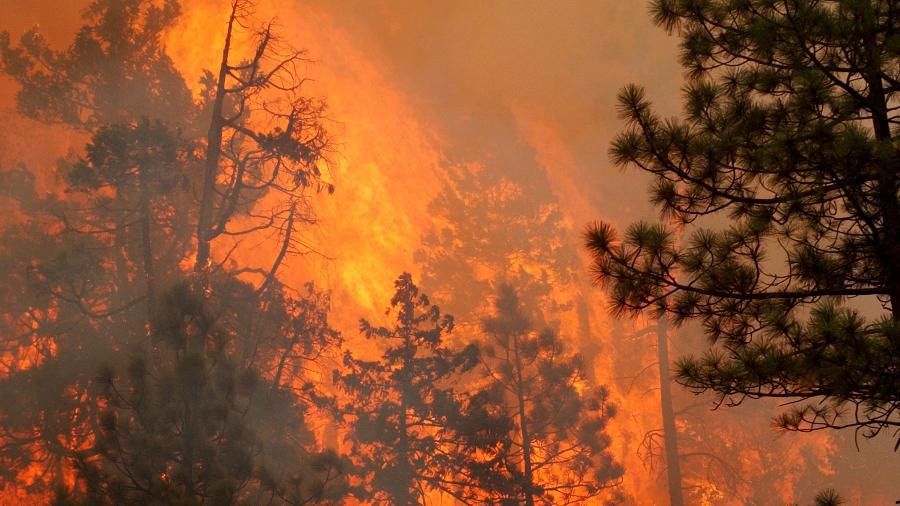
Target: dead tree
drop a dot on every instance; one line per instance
(266, 145)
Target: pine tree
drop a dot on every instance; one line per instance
(402, 409)
(115, 71)
(492, 224)
(557, 449)
(789, 132)
(87, 264)
(504, 223)
(190, 425)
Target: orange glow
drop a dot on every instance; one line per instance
(387, 167)
(369, 228)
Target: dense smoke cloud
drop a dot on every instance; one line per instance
(480, 69)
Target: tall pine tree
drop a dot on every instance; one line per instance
(557, 448)
(790, 132)
(402, 409)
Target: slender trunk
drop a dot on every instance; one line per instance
(285, 246)
(405, 496)
(887, 196)
(187, 441)
(589, 346)
(147, 247)
(121, 253)
(276, 382)
(670, 435)
(527, 473)
(189, 400)
(213, 154)
(890, 208)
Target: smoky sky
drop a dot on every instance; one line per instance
(476, 69)
(475, 65)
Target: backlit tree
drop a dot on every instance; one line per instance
(402, 409)
(87, 263)
(789, 133)
(556, 450)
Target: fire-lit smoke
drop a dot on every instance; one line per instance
(415, 88)
(369, 229)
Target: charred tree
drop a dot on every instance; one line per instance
(88, 264)
(264, 136)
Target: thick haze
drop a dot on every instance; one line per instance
(483, 69)
(528, 88)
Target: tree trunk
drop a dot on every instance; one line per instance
(187, 443)
(670, 435)
(213, 155)
(121, 254)
(527, 473)
(887, 178)
(589, 346)
(147, 246)
(405, 495)
(285, 246)
(282, 361)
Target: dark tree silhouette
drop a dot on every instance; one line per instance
(190, 425)
(115, 71)
(557, 449)
(828, 497)
(258, 132)
(402, 409)
(130, 187)
(264, 136)
(789, 131)
(86, 264)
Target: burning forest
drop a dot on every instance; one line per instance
(450, 253)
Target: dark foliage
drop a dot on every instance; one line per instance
(185, 423)
(790, 133)
(114, 71)
(87, 264)
(555, 449)
(403, 408)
